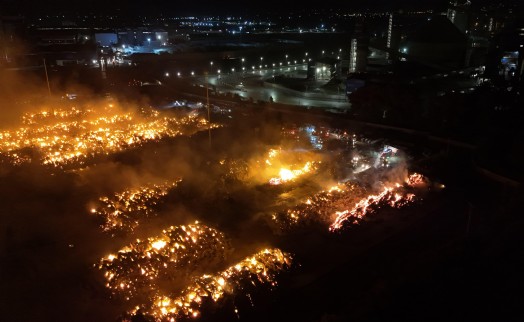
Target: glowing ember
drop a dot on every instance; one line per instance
(141, 267)
(416, 179)
(123, 210)
(320, 206)
(364, 206)
(260, 269)
(69, 136)
(346, 201)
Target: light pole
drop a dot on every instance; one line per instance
(208, 111)
(49, 88)
(47, 78)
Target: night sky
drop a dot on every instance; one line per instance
(205, 6)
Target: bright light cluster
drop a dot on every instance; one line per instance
(258, 270)
(142, 266)
(74, 135)
(287, 173)
(124, 210)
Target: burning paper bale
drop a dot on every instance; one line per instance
(65, 137)
(140, 268)
(124, 210)
(259, 270)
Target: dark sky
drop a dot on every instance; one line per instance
(204, 6)
(236, 7)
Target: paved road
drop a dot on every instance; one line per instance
(253, 84)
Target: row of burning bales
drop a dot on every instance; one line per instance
(76, 135)
(147, 271)
(144, 267)
(142, 272)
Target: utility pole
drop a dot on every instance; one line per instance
(208, 110)
(48, 88)
(47, 79)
